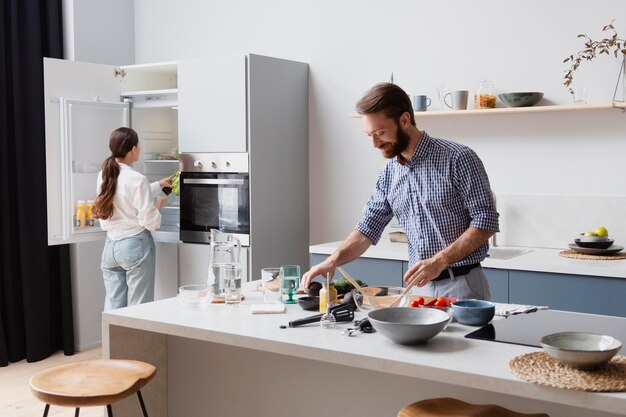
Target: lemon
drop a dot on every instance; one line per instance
(590, 234)
(601, 231)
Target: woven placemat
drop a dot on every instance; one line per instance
(540, 368)
(576, 255)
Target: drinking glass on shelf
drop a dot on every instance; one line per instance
(580, 94)
(442, 90)
(289, 282)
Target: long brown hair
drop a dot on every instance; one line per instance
(121, 142)
(387, 98)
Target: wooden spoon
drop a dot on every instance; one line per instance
(351, 280)
(407, 289)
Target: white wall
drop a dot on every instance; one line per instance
(352, 44)
(99, 31)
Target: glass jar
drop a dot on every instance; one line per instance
(485, 96)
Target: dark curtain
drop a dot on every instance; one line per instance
(35, 293)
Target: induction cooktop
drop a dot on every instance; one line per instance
(528, 329)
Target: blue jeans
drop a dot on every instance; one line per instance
(128, 268)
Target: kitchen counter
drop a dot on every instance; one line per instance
(537, 259)
(231, 362)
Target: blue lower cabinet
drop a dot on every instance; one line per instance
(498, 280)
(585, 294)
(369, 270)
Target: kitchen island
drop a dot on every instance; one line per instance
(225, 361)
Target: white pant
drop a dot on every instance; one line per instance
(473, 285)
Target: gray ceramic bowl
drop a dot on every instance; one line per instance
(584, 238)
(408, 325)
(520, 99)
(473, 312)
(600, 244)
(581, 350)
(309, 302)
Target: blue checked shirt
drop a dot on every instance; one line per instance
(436, 197)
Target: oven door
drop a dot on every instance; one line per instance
(214, 201)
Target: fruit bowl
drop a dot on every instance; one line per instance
(599, 244)
(379, 297)
(520, 99)
(594, 238)
(581, 350)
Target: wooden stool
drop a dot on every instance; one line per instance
(450, 407)
(92, 383)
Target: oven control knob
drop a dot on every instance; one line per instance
(227, 163)
(197, 164)
(213, 164)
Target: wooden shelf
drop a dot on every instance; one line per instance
(514, 110)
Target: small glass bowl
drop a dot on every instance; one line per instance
(379, 297)
(195, 295)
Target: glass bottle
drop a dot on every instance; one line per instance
(485, 96)
(80, 216)
(91, 220)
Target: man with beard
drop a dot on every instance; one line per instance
(440, 194)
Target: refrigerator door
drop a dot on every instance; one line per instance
(82, 105)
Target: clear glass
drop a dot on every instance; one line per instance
(194, 296)
(289, 283)
(232, 283)
(485, 96)
(270, 282)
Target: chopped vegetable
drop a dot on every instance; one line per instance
(176, 183)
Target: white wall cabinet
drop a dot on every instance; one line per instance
(212, 109)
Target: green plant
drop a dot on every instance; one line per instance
(613, 44)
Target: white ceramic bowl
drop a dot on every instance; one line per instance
(194, 296)
(581, 350)
(408, 325)
(372, 301)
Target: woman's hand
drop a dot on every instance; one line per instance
(165, 182)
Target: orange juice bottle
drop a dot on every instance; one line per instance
(80, 218)
(326, 297)
(91, 221)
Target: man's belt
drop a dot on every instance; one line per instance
(457, 271)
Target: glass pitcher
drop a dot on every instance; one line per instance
(225, 250)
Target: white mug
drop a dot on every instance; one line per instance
(458, 98)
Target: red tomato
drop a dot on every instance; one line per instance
(414, 303)
(441, 302)
(420, 301)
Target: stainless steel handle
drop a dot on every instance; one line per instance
(214, 181)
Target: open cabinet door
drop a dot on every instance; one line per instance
(82, 103)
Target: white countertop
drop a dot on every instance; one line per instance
(448, 358)
(538, 259)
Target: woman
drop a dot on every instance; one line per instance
(125, 205)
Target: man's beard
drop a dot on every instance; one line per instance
(391, 150)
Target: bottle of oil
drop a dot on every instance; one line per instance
(324, 299)
(80, 218)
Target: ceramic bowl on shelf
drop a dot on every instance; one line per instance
(581, 350)
(408, 325)
(473, 312)
(601, 244)
(526, 99)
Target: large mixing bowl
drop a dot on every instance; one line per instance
(407, 325)
(379, 297)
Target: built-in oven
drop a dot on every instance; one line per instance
(214, 194)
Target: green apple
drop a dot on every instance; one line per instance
(590, 234)
(601, 231)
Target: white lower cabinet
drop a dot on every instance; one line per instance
(193, 263)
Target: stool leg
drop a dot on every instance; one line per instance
(143, 407)
(45, 410)
(76, 412)
(109, 410)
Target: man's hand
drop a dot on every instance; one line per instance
(319, 269)
(429, 268)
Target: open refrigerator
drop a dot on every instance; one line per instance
(84, 103)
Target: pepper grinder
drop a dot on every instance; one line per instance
(328, 321)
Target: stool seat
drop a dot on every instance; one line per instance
(451, 407)
(91, 383)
